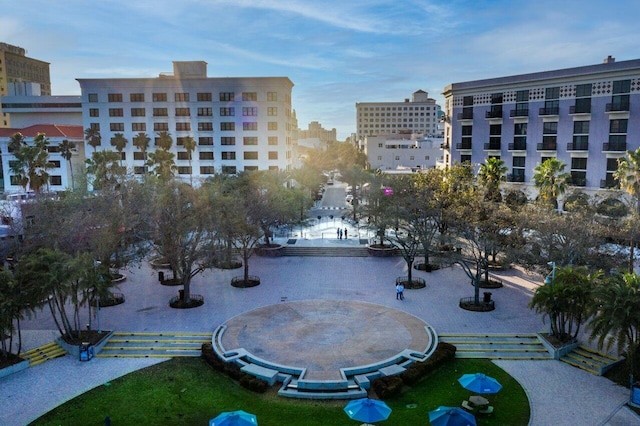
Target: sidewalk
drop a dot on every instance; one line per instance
(558, 393)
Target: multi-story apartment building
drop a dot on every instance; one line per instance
(416, 115)
(402, 152)
(587, 117)
(242, 123)
(16, 70)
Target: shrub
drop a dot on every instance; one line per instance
(445, 352)
(387, 387)
(232, 370)
(254, 384)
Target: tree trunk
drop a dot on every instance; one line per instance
(409, 267)
(186, 288)
(245, 257)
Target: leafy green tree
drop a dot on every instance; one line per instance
(551, 180)
(93, 138)
(628, 175)
(66, 149)
(566, 300)
(119, 142)
(616, 317)
(105, 168)
(490, 175)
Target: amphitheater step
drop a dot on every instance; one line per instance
(326, 251)
(589, 360)
(43, 353)
(154, 345)
(497, 346)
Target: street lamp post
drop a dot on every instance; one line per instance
(549, 281)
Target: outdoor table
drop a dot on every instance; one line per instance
(478, 401)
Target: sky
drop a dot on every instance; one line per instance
(336, 52)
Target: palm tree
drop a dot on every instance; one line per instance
(550, 179)
(66, 149)
(628, 174)
(119, 142)
(164, 140)
(189, 145)
(491, 173)
(93, 138)
(141, 141)
(617, 316)
(163, 164)
(32, 161)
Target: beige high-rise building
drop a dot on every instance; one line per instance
(21, 75)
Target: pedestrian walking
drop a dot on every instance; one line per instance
(345, 233)
(338, 233)
(399, 292)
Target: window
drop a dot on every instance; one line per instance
(207, 170)
(522, 96)
(228, 155)
(181, 97)
(205, 126)
(183, 127)
(550, 128)
(250, 140)
(183, 155)
(205, 112)
(578, 163)
(496, 98)
(552, 93)
(466, 130)
(581, 127)
(183, 112)
(159, 97)
(467, 101)
(519, 161)
(229, 170)
(250, 168)
(116, 112)
(273, 140)
(136, 97)
(123, 156)
(583, 105)
(205, 141)
(520, 129)
(273, 155)
(139, 127)
(55, 163)
(114, 97)
(158, 127)
(184, 170)
(249, 96)
(116, 127)
(94, 112)
(205, 155)
(252, 125)
(583, 90)
(272, 111)
(272, 96)
(618, 126)
(465, 159)
(138, 112)
(94, 126)
(93, 97)
(227, 96)
(55, 180)
(272, 125)
(227, 111)
(137, 155)
(249, 111)
(139, 170)
(495, 129)
(160, 112)
(251, 155)
(621, 86)
(204, 97)
(227, 125)
(227, 140)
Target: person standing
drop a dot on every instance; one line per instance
(345, 233)
(338, 233)
(399, 292)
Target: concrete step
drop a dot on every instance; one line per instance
(589, 360)
(43, 353)
(497, 346)
(145, 345)
(326, 251)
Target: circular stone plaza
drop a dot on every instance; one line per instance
(326, 322)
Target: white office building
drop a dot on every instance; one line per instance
(402, 152)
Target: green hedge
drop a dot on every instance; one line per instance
(232, 370)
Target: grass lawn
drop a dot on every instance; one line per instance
(186, 391)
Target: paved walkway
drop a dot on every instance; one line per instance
(559, 394)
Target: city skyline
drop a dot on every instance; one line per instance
(336, 53)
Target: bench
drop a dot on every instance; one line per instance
(392, 370)
(263, 373)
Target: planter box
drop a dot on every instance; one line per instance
(557, 352)
(274, 251)
(74, 350)
(382, 251)
(14, 368)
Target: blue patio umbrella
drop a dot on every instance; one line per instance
(234, 418)
(451, 416)
(479, 383)
(367, 410)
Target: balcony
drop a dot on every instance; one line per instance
(494, 113)
(519, 113)
(465, 115)
(580, 109)
(614, 147)
(578, 146)
(609, 183)
(492, 146)
(518, 145)
(547, 146)
(515, 177)
(549, 111)
(463, 145)
(617, 107)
